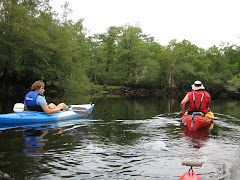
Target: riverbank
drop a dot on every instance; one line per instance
(122, 91)
(117, 90)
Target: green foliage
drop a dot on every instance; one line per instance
(234, 83)
(37, 44)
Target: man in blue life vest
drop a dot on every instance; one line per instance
(198, 99)
(35, 100)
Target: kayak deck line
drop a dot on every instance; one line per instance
(21, 113)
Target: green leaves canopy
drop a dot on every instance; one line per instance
(36, 44)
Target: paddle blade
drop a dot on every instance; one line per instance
(80, 110)
(18, 107)
(192, 163)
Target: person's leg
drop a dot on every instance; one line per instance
(63, 105)
(52, 106)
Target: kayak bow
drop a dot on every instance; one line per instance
(190, 175)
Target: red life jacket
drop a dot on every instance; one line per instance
(199, 101)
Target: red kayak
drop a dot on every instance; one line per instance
(190, 175)
(197, 120)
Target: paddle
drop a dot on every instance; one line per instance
(177, 115)
(190, 174)
(19, 107)
(79, 110)
(191, 163)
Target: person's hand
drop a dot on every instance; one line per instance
(59, 108)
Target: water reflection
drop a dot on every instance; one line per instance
(35, 137)
(196, 138)
(132, 108)
(34, 141)
(125, 139)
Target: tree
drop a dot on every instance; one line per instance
(132, 52)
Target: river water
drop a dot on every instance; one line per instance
(124, 138)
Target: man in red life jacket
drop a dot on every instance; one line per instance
(198, 99)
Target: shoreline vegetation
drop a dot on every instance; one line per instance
(104, 90)
(16, 94)
(127, 91)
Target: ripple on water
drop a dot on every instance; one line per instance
(142, 149)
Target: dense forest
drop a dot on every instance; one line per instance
(38, 43)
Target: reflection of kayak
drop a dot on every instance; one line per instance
(197, 121)
(190, 175)
(35, 117)
(199, 134)
(197, 137)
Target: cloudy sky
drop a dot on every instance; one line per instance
(203, 22)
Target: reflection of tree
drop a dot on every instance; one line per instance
(112, 108)
(117, 132)
(119, 108)
(226, 106)
(171, 104)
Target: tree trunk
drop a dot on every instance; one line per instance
(171, 76)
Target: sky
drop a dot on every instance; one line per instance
(202, 22)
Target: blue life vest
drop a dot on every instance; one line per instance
(30, 101)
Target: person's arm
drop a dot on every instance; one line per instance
(182, 105)
(41, 101)
(47, 110)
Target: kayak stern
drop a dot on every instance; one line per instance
(196, 122)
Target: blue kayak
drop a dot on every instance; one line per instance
(80, 121)
(75, 111)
